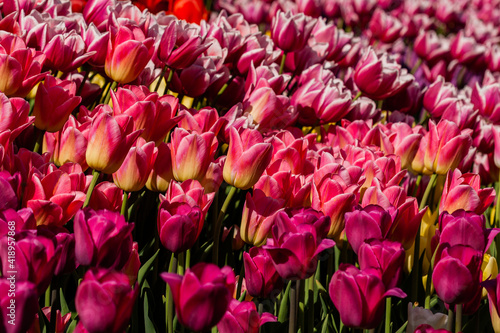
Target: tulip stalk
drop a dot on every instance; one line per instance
(282, 64)
(169, 303)
(95, 178)
(458, 318)
(39, 140)
(123, 210)
(218, 224)
(293, 309)
(108, 94)
(388, 307)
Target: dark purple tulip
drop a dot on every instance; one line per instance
(202, 295)
(104, 301)
(102, 238)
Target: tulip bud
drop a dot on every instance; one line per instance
(262, 279)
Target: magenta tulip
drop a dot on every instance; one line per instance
(291, 32)
(202, 295)
(261, 277)
(18, 308)
(242, 317)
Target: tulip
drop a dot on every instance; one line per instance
(297, 242)
(14, 113)
(456, 274)
(441, 149)
(202, 295)
(36, 258)
(384, 27)
(136, 167)
(128, 53)
(190, 192)
(466, 50)
(102, 238)
(258, 216)
(386, 256)
(379, 78)
(60, 324)
(431, 47)
(110, 139)
(247, 157)
(242, 317)
(291, 32)
(425, 328)
(22, 219)
(105, 300)
(486, 100)
(359, 296)
(463, 191)
(418, 316)
(55, 100)
(261, 277)
(191, 154)
(66, 52)
(161, 173)
(339, 41)
(493, 288)
(179, 225)
(20, 308)
(106, 196)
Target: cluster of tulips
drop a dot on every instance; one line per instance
(282, 166)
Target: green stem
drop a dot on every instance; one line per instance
(39, 140)
(169, 304)
(358, 95)
(160, 78)
(180, 264)
(187, 264)
(47, 296)
(449, 324)
(282, 65)
(108, 95)
(123, 211)
(218, 225)
(458, 318)
(417, 185)
(169, 78)
(428, 191)
(388, 307)
(301, 302)
(95, 178)
(416, 66)
(310, 303)
(293, 309)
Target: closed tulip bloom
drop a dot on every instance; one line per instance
(386, 256)
(261, 277)
(66, 52)
(128, 53)
(109, 140)
(106, 195)
(55, 100)
(179, 225)
(463, 191)
(359, 296)
(105, 300)
(439, 96)
(493, 288)
(202, 295)
(23, 311)
(431, 47)
(297, 241)
(136, 167)
(243, 317)
(14, 114)
(102, 238)
(291, 32)
(192, 153)
(486, 99)
(161, 173)
(384, 27)
(247, 158)
(456, 274)
(380, 77)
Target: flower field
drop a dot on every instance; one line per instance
(250, 166)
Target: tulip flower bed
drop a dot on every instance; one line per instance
(266, 166)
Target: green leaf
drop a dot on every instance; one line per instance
(149, 326)
(145, 268)
(64, 304)
(283, 313)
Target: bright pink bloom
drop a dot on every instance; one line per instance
(136, 167)
(380, 77)
(55, 100)
(192, 154)
(384, 27)
(359, 296)
(128, 53)
(463, 191)
(66, 52)
(247, 157)
(339, 41)
(425, 328)
(102, 238)
(291, 32)
(486, 99)
(14, 115)
(106, 196)
(25, 306)
(261, 277)
(431, 47)
(110, 138)
(242, 317)
(202, 295)
(466, 50)
(161, 173)
(105, 300)
(297, 242)
(190, 192)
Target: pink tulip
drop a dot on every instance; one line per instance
(110, 138)
(431, 47)
(466, 50)
(359, 296)
(493, 288)
(248, 156)
(202, 295)
(56, 197)
(192, 154)
(111, 310)
(190, 192)
(36, 259)
(486, 100)
(463, 191)
(14, 115)
(297, 242)
(242, 317)
(136, 167)
(55, 100)
(102, 238)
(95, 11)
(384, 27)
(66, 52)
(380, 77)
(128, 53)
(23, 219)
(106, 196)
(291, 32)
(21, 66)
(261, 277)
(20, 308)
(425, 328)
(161, 173)
(339, 41)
